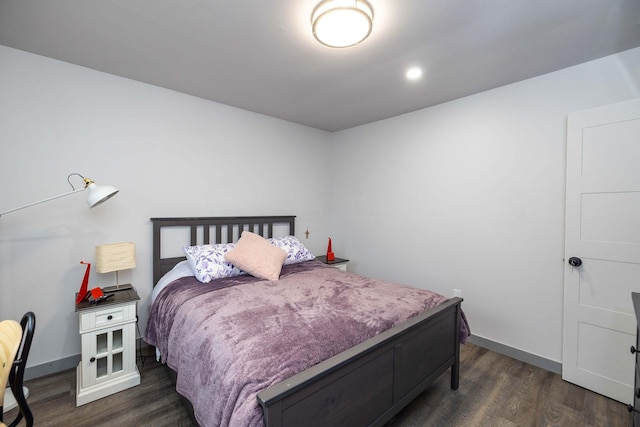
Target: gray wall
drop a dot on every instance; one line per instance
(169, 154)
(469, 195)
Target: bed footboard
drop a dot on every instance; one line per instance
(370, 383)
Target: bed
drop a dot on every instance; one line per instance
(366, 383)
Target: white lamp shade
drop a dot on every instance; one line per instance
(115, 257)
(99, 194)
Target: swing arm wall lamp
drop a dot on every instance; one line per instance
(97, 193)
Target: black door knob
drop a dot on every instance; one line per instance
(575, 261)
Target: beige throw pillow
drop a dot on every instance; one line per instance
(256, 256)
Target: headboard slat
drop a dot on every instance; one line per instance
(206, 235)
(229, 233)
(218, 233)
(194, 235)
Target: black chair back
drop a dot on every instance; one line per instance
(16, 375)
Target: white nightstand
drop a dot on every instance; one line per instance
(339, 263)
(108, 359)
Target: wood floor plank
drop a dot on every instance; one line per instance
(495, 391)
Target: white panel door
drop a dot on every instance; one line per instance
(603, 232)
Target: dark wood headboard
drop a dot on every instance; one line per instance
(225, 230)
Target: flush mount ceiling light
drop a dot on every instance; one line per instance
(342, 23)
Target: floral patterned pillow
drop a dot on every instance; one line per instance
(208, 263)
(296, 252)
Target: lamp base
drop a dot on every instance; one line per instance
(116, 288)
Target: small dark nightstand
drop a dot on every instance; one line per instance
(340, 263)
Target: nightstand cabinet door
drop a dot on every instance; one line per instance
(106, 354)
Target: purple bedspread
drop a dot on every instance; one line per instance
(228, 342)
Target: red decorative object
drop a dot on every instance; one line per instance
(330, 255)
(85, 282)
(94, 295)
(97, 294)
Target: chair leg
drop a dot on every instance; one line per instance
(24, 410)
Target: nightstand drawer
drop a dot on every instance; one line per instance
(102, 318)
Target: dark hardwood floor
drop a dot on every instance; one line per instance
(495, 390)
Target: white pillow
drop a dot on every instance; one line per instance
(208, 263)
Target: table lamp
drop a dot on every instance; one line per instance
(115, 257)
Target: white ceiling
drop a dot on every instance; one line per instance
(259, 55)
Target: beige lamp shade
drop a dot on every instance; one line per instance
(115, 257)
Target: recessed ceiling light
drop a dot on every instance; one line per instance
(342, 23)
(414, 73)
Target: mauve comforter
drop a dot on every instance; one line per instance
(231, 338)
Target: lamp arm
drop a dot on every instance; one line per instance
(43, 201)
